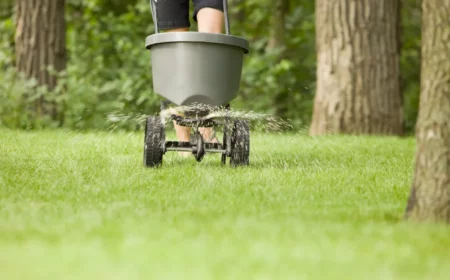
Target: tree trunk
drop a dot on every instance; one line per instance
(277, 31)
(40, 45)
(358, 79)
(430, 193)
(6, 8)
(240, 14)
(277, 43)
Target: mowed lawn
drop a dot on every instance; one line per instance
(81, 206)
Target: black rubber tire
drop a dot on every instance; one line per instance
(223, 158)
(240, 143)
(200, 153)
(226, 136)
(154, 137)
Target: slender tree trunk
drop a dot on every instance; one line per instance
(358, 79)
(277, 42)
(240, 14)
(6, 8)
(277, 31)
(40, 44)
(430, 193)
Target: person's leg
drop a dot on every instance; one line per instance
(183, 133)
(173, 16)
(210, 19)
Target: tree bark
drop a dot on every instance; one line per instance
(430, 193)
(6, 8)
(277, 43)
(240, 15)
(277, 29)
(358, 79)
(40, 44)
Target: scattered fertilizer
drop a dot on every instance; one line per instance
(258, 121)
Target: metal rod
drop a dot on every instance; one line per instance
(154, 14)
(215, 151)
(179, 149)
(190, 150)
(227, 20)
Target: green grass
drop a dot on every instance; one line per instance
(81, 206)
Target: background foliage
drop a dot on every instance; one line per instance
(109, 70)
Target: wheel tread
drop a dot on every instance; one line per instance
(154, 135)
(240, 143)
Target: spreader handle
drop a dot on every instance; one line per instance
(154, 15)
(225, 13)
(227, 20)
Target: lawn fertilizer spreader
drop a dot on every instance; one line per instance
(197, 68)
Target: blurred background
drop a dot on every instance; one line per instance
(108, 69)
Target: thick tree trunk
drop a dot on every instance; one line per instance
(358, 79)
(430, 194)
(40, 44)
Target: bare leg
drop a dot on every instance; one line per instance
(182, 29)
(210, 21)
(182, 132)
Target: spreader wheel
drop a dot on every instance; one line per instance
(240, 143)
(223, 158)
(153, 142)
(199, 148)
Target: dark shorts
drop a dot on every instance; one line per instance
(175, 13)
